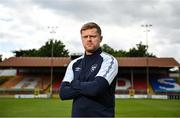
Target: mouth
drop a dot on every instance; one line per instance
(89, 44)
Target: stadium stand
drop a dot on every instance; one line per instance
(178, 80)
(11, 82)
(43, 83)
(140, 82)
(165, 85)
(8, 72)
(151, 91)
(27, 83)
(132, 75)
(56, 84)
(123, 84)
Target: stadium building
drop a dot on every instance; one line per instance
(137, 76)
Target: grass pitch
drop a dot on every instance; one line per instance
(57, 108)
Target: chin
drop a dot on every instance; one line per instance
(91, 50)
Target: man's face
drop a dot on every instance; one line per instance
(91, 40)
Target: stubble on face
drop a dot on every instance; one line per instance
(91, 40)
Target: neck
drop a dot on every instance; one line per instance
(88, 53)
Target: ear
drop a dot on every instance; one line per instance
(101, 38)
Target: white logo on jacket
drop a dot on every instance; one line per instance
(93, 67)
(77, 69)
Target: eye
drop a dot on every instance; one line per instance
(93, 36)
(84, 37)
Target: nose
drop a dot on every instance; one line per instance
(89, 38)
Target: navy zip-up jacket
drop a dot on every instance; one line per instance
(90, 82)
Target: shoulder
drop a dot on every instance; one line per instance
(76, 60)
(108, 57)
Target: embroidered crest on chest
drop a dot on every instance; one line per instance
(93, 67)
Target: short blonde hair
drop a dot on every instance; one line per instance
(91, 25)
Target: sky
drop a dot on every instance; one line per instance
(26, 24)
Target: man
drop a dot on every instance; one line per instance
(90, 79)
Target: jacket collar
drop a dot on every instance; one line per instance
(97, 52)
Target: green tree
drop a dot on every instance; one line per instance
(116, 53)
(45, 51)
(58, 49)
(26, 53)
(107, 48)
(139, 51)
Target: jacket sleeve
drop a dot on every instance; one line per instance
(66, 91)
(91, 88)
(103, 79)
